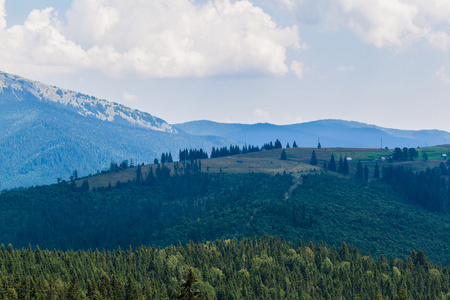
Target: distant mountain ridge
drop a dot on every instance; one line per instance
(331, 133)
(47, 133)
(85, 105)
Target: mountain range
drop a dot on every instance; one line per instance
(48, 132)
(330, 133)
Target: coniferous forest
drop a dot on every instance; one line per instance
(243, 236)
(249, 268)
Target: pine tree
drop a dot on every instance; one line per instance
(287, 145)
(376, 173)
(341, 165)
(278, 144)
(403, 295)
(332, 164)
(74, 290)
(188, 291)
(131, 291)
(117, 286)
(104, 287)
(313, 159)
(294, 145)
(139, 178)
(359, 170)
(283, 155)
(345, 169)
(148, 290)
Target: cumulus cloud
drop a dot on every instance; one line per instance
(298, 68)
(393, 23)
(382, 23)
(161, 38)
(261, 113)
(443, 76)
(38, 47)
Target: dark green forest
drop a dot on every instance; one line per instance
(160, 209)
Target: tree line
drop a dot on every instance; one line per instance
(249, 268)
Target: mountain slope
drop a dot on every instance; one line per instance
(15, 88)
(332, 133)
(48, 133)
(197, 206)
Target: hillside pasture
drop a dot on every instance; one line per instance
(268, 161)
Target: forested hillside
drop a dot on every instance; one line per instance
(159, 209)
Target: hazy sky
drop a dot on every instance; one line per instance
(384, 62)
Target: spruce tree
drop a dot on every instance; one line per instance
(283, 155)
(278, 144)
(341, 165)
(376, 173)
(74, 290)
(131, 292)
(139, 178)
(359, 170)
(332, 164)
(313, 159)
(187, 288)
(345, 169)
(294, 145)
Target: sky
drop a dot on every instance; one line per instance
(242, 61)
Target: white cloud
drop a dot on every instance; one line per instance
(129, 97)
(298, 68)
(382, 23)
(261, 113)
(160, 38)
(439, 39)
(346, 69)
(443, 76)
(37, 47)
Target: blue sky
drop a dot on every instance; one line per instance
(278, 61)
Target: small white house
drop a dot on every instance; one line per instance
(348, 158)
